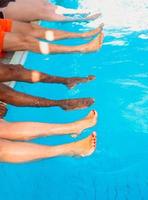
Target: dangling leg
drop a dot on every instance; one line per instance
(30, 130)
(16, 42)
(50, 34)
(35, 10)
(10, 72)
(10, 96)
(20, 152)
(58, 14)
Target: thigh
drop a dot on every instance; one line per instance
(21, 27)
(13, 41)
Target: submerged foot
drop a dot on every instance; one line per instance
(74, 104)
(84, 147)
(72, 82)
(89, 121)
(94, 45)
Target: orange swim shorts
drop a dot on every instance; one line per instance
(5, 26)
(2, 34)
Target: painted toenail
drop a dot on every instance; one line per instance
(94, 111)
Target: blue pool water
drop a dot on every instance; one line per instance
(118, 168)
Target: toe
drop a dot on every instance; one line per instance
(91, 77)
(94, 113)
(94, 138)
(94, 134)
(93, 142)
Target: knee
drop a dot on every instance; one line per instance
(23, 38)
(8, 96)
(25, 41)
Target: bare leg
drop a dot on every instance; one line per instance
(10, 96)
(31, 130)
(56, 13)
(57, 8)
(16, 42)
(35, 10)
(50, 34)
(10, 72)
(20, 152)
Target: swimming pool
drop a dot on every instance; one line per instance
(118, 168)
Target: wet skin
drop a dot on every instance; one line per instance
(9, 72)
(10, 96)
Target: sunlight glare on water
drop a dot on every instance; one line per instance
(131, 14)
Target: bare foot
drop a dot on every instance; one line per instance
(94, 45)
(74, 104)
(81, 19)
(89, 121)
(72, 82)
(83, 147)
(93, 32)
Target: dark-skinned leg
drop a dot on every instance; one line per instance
(10, 96)
(10, 72)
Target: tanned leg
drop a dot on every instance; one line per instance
(16, 42)
(20, 152)
(30, 130)
(10, 72)
(35, 10)
(10, 96)
(50, 34)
